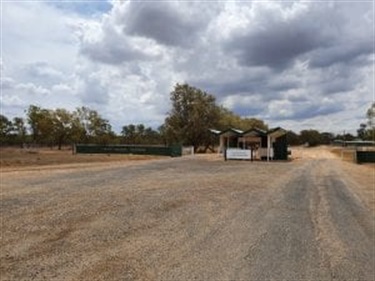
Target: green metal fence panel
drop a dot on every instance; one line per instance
(281, 148)
(365, 156)
(173, 151)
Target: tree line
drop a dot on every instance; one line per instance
(365, 132)
(193, 112)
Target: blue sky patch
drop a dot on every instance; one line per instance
(83, 7)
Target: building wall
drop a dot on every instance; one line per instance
(281, 148)
(263, 142)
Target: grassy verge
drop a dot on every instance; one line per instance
(15, 157)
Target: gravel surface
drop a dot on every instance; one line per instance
(185, 219)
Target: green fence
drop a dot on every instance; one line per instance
(173, 151)
(365, 156)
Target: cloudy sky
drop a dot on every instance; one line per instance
(294, 64)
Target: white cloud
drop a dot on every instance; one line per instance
(35, 32)
(295, 64)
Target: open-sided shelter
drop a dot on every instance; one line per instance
(264, 145)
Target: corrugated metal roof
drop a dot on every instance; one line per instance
(259, 132)
(255, 131)
(216, 132)
(232, 130)
(278, 130)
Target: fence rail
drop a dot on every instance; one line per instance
(173, 150)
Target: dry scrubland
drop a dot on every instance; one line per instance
(189, 218)
(26, 159)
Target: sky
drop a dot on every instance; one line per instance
(295, 64)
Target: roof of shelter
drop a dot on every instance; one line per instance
(256, 132)
(276, 132)
(215, 132)
(232, 131)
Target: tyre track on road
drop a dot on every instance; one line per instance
(317, 230)
(345, 227)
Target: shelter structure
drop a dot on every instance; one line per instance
(258, 143)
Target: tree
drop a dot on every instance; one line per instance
(100, 130)
(370, 114)
(366, 130)
(129, 134)
(293, 138)
(89, 126)
(326, 138)
(162, 131)
(62, 126)
(41, 124)
(32, 119)
(19, 130)
(78, 132)
(362, 131)
(139, 134)
(230, 120)
(193, 113)
(152, 136)
(312, 137)
(5, 129)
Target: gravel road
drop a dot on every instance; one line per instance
(186, 219)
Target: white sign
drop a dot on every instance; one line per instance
(238, 154)
(263, 152)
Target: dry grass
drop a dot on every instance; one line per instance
(320, 152)
(17, 158)
(362, 178)
(347, 155)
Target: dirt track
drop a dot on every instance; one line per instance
(188, 218)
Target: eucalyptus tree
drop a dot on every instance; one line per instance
(193, 113)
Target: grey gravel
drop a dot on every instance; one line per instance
(186, 219)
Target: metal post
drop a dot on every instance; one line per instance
(221, 147)
(268, 147)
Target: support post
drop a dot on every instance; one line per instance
(221, 147)
(268, 147)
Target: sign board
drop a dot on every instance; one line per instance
(263, 152)
(238, 154)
